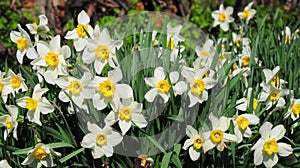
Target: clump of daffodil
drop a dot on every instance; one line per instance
(267, 148)
(223, 17)
(101, 141)
(10, 121)
(36, 104)
(40, 156)
(194, 143)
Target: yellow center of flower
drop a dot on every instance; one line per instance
(271, 146)
(52, 59)
(163, 86)
(102, 52)
(8, 123)
(101, 139)
(287, 39)
(204, 54)
(255, 103)
(275, 81)
(296, 109)
(107, 88)
(242, 122)
(172, 44)
(81, 30)
(246, 14)
(1, 86)
(143, 160)
(22, 43)
(274, 95)
(245, 60)
(125, 113)
(40, 153)
(198, 87)
(238, 42)
(15, 82)
(222, 17)
(75, 87)
(31, 104)
(216, 136)
(198, 142)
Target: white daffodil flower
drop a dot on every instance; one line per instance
(217, 136)
(194, 143)
(199, 84)
(76, 89)
(294, 108)
(80, 33)
(248, 13)
(272, 77)
(267, 148)
(36, 104)
(240, 41)
(4, 164)
(205, 54)
(101, 141)
(23, 41)
(101, 51)
(287, 35)
(223, 17)
(108, 90)
(40, 156)
(127, 113)
(241, 125)
(173, 33)
(40, 29)
(53, 58)
(275, 95)
(13, 84)
(10, 121)
(244, 103)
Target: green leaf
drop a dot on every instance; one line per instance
(69, 156)
(166, 160)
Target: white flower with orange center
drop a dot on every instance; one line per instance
(53, 58)
(101, 141)
(244, 103)
(128, 112)
(267, 148)
(198, 84)
(271, 77)
(101, 51)
(108, 90)
(272, 96)
(217, 136)
(10, 121)
(36, 104)
(248, 13)
(12, 84)
(241, 125)
(294, 108)
(24, 45)
(81, 32)
(205, 54)
(40, 29)
(223, 17)
(76, 90)
(194, 143)
(40, 156)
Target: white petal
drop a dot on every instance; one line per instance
(114, 139)
(79, 44)
(208, 145)
(270, 161)
(265, 130)
(242, 104)
(165, 96)
(111, 118)
(253, 119)
(93, 128)
(88, 140)
(139, 120)
(115, 75)
(31, 53)
(193, 153)
(108, 150)
(180, 88)
(72, 35)
(43, 48)
(258, 145)
(187, 143)
(188, 74)
(152, 82)
(193, 99)
(124, 91)
(55, 44)
(83, 18)
(89, 57)
(174, 76)
(191, 132)
(151, 94)
(284, 149)
(277, 132)
(258, 157)
(229, 138)
(124, 126)
(99, 65)
(159, 73)
(209, 83)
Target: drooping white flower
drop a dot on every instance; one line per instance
(267, 148)
(294, 108)
(108, 90)
(241, 125)
(77, 89)
(101, 141)
(23, 41)
(101, 51)
(194, 143)
(217, 136)
(198, 84)
(41, 29)
(128, 112)
(36, 104)
(248, 13)
(53, 58)
(4, 164)
(80, 33)
(10, 121)
(40, 156)
(244, 103)
(223, 17)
